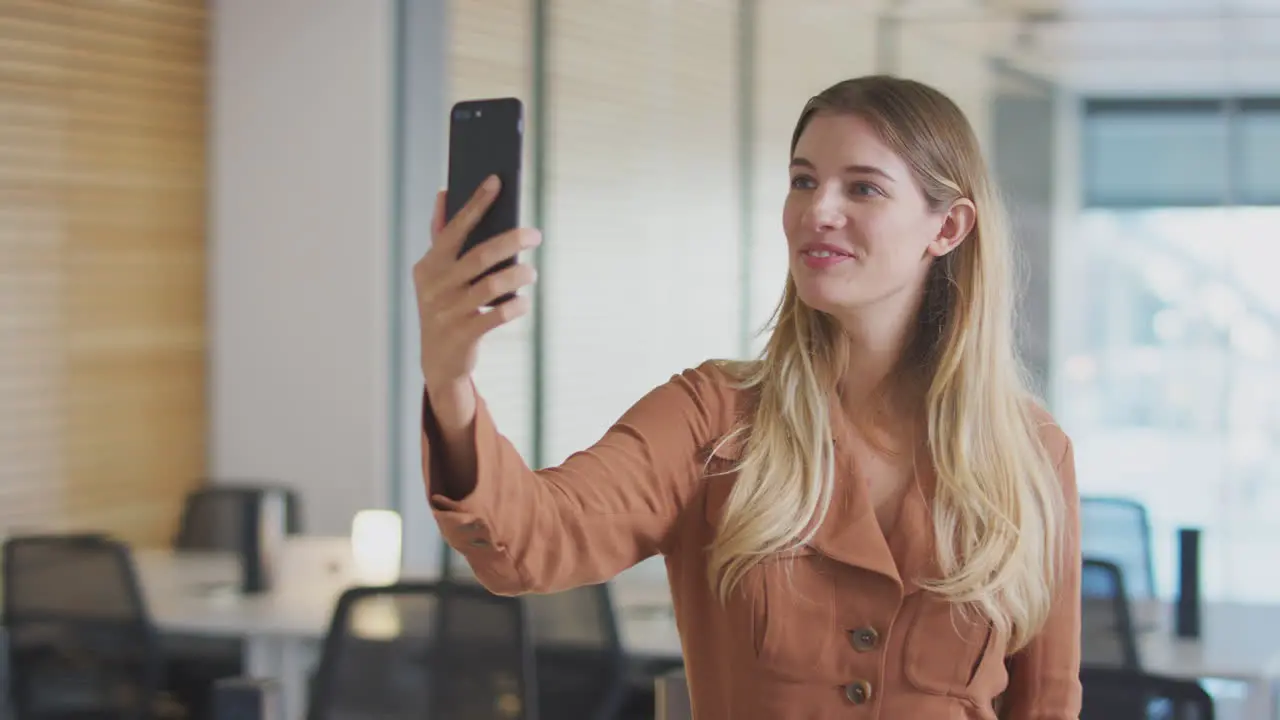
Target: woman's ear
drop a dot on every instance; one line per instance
(956, 226)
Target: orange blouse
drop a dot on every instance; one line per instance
(837, 629)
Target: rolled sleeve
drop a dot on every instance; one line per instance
(601, 511)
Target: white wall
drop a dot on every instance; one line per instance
(299, 313)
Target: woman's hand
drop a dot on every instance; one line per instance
(452, 303)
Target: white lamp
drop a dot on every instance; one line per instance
(375, 547)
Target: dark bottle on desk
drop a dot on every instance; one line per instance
(264, 531)
(240, 698)
(1187, 607)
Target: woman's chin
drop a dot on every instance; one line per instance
(823, 298)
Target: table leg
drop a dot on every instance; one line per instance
(261, 658)
(1260, 701)
(298, 658)
(264, 660)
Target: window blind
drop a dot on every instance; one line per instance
(490, 49)
(1138, 154)
(1181, 152)
(102, 150)
(642, 247)
(1257, 149)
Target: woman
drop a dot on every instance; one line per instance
(874, 516)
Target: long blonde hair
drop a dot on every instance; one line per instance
(998, 506)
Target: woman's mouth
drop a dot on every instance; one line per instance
(821, 256)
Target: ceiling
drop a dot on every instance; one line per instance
(1165, 47)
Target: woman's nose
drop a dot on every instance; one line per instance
(824, 213)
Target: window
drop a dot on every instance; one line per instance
(1169, 373)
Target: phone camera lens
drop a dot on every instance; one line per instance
(461, 114)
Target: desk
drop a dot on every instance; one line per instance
(282, 630)
(1237, 642)
(193, 594)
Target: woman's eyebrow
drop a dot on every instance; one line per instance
(799, 162)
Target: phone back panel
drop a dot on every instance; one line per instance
(485, 138)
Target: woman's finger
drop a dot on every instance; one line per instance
(454, 233)
(483, 322)
(499, 249)
(507, 280)
(437, 216)
(485, 290)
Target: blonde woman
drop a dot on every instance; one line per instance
(873, 519)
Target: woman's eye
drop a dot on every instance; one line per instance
(802, 182)
(861, 189)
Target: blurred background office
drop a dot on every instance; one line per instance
(209, 210)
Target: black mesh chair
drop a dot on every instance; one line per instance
(1107, 638)
(420, 650)
(582, 669)
(214, 516)
(81, 643)
(1118, 530)
(1120, 694)
(6, 710)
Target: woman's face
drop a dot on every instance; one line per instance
(859, 230)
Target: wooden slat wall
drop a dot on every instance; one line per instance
(102, 215)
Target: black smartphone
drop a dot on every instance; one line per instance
(486, 138)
